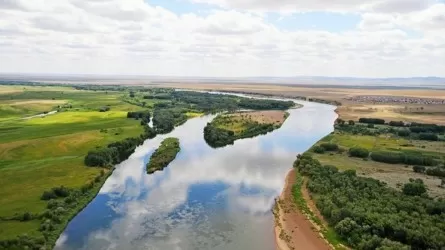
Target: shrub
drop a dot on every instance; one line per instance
(48, 195)
(414, 188)
(403, 132)
(319, 150)
(371, 120)
(419, 169)
(440, 172)
(359, 152)
(396, 124)
(388, 157)
(329, 146)
(428, 137)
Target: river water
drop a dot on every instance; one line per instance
(206, 198)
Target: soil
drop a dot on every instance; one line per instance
(268, 116)
(292, 228)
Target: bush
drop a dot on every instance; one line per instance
(440, 172)
(396, 124)
(48, 195)
(401, 158)
(419, 169)
(414, 188)
(329, 146)
(403, 133)
(428, 137)
(359, 152)
(319, 150)
(388, 157)
(372, 121)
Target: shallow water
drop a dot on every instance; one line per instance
(206, 198)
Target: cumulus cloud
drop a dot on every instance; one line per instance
(323, 5)
(134, 37)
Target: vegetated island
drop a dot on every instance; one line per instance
(370, 184)
(165, 154)
(226, 128)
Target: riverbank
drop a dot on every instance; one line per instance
(292, 227)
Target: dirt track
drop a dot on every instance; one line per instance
(292, 229)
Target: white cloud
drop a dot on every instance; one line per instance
(133, 37)
(323, 5)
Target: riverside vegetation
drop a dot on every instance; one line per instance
(227, 128)
(52, 165)
(406, 212)
(165, 154)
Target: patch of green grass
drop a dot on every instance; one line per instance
(10, 229)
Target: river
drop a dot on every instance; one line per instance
(206, 198)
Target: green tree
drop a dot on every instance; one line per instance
(414, 188)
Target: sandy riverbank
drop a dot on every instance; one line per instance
(292, 228)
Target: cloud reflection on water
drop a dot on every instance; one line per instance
(206, 199)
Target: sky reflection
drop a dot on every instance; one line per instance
(205, 199)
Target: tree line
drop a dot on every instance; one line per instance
(219, 137)
(367, 214)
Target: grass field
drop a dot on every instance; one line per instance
(40, 153)
(239, 122)
(393, 174)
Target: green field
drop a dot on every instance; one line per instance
(393, 174)
(40, 153)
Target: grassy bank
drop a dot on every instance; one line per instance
(227, 128)
(368, 198)
(165, 154)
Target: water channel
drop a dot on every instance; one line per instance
(206, 198)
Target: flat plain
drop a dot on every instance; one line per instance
(39, 153)
(420, 112)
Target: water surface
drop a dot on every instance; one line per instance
(206, 198)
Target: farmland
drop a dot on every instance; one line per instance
(40, 153)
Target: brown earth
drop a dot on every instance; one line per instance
(267, 116)
(430, 113)
(293, 230)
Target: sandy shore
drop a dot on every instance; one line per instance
(292, 228)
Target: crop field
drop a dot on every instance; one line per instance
(39, 153)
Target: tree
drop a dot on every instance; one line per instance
(340, 121)
(414, 188)
(346, 226)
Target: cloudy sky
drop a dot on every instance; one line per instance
(224, 38)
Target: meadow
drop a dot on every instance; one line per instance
(392, 174)
(37, 154)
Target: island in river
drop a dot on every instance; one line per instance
(165, 154)
(225, 129)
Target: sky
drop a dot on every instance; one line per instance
(224, 38)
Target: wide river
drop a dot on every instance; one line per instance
(206, 198)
